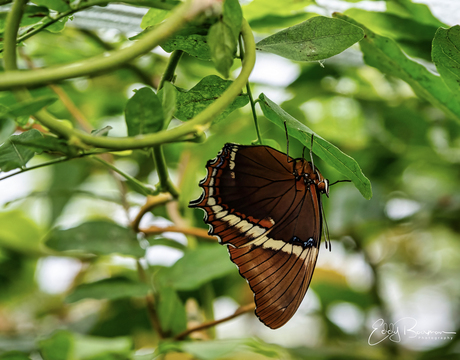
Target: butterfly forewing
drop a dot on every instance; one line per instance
(271, 222)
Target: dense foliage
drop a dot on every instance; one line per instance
(103, 143)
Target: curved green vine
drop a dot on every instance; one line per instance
(101, 63)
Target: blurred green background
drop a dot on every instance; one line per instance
(395, 256)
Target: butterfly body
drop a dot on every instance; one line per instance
(267, 208)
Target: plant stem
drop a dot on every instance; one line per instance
(238, 312)
(103, 63)
(151, 202)
(168, 75)
(156, 230)
(13, 20)
(251, 99)
(166, 184)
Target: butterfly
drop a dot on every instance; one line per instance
(266, 206)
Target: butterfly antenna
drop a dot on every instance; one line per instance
(339, 181)
(311, 154)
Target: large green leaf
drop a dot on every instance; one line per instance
(392, 25)
(222, 44)
(192, 102)
(19, 233)
(96, 237)
(197, 267)
(409, 10)
(7, 128)
(316, 39)
(232, 15)
(321, 147)
(65, 180)
(171, 312)
(59, 346)
(384, 54)
(144, 113)
(13, 155)
(110, 289)
(446, 56)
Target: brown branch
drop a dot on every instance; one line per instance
(201, 233)
(152, 201)
(238, 312)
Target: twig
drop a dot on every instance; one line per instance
(238, 312)
(201, 233)
(152, 201)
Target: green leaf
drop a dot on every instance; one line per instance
(110, 289)
(144, 113)
(153, 17)
(33, 14)
(446, 56)
(384, 54)
(65, 180)
(28, 107)
(168, 101)
(232, 15)
(192, 102)
(96, 237)
(223, 44)
(197, 267)
(13, 155)
(392, 25)
(46, 143)
(95, 347)
(325, 150)
(409, 10)
(315, 39)
(58, 5)
(195, 45)
(57, 347)
(7, 128)
(171, 312)
(59, 25)
(19, 233)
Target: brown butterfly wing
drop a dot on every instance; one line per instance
(272, 223)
